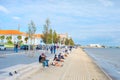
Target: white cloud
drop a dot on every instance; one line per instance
(106, 2)
(16, 18)
(3, 9)
(88, 19)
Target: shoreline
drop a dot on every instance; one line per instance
(107, 60)
(110, 77)
(78, 66)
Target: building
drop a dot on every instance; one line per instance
(36, 38)
(95, 45)
(63, 37)
(15, 33)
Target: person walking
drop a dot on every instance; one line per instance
(54, 49)
(16, 47)
(51, 49)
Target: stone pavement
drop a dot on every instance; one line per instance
(77, 66)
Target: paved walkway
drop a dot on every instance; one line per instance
(77, 66)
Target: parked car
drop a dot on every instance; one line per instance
(24, 47)
(2, 47)
(39, 47)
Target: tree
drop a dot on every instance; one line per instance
(66, 41)
(31, 31)
(19, 37)
(58, 39)
(9, 38)
(71, 42)
(20, 41)
(50, 37)
(55, 37)
(45, 36)
(26, 39)
(2, 38)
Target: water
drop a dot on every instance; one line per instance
(108, 59)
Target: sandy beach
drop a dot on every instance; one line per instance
(77, 66)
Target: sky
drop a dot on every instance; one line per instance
(86, 21)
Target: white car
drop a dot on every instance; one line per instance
(2, 47)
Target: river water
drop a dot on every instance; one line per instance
(108, 59)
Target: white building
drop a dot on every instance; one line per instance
(15, 33)
(63, 37)
(95, 45)
(36, 38)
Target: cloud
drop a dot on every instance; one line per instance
(83, 20)
(16, 18)
(3, 9)
(106, 2)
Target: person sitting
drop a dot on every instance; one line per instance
(56, 63)
(42, 59)
(60, 57)
(65, 55)
(56, 58)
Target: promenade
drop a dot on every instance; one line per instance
(77, 66)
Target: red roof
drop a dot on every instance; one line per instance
(16, 32)
(10, 32)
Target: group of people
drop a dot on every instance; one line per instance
(57, 60)
(53, 49)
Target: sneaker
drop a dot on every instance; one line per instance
(15, 72)
(10, 74)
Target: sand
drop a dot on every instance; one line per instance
(77, 66)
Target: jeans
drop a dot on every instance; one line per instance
(45, 63)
